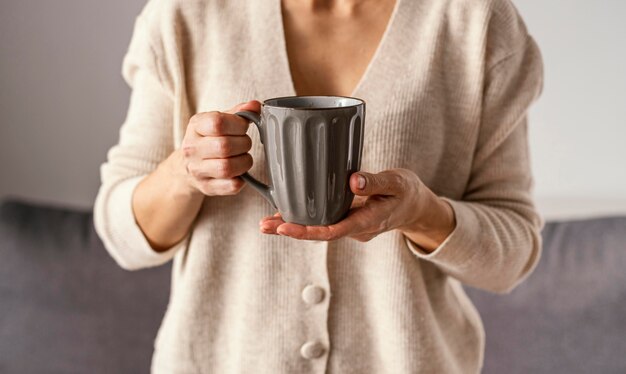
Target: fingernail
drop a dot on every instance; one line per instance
(361, 180)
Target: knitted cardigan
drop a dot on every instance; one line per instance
(447, 95)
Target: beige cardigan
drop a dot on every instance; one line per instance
(447, 95)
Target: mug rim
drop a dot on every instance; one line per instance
(360, 102)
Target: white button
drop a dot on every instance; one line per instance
(312, 350)
(312, 294)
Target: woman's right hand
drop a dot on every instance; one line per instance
(215, 150)
(214, 153)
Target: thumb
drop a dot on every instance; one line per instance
(252, 106)
(367, 184)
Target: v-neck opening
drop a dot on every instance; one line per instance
(370, 65)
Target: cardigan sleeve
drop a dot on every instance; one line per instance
(145, 139)
(496, 242)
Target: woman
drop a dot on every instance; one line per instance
(443, 199)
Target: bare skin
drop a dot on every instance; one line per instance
(351, 29)
(215, 147)
(214, 152)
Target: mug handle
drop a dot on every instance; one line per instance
(261, 187)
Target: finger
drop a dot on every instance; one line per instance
(358, 201)
(297, 231)
(222, 146)
(222, 168)
(357, 221)
(346, 227)
(220, 187)
(383, 183)
(252, 106)
(267, 231)
(269, 218)
(218, 124)
(271, 225)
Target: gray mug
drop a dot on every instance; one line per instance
(312, 145)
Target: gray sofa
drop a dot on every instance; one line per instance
(66, 307)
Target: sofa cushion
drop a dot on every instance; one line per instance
(569, 316)
(65, 305)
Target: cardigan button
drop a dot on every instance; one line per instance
(312, 294)
(311, 350)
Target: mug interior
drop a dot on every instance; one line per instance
(313, 102)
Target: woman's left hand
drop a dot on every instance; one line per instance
(392, 199)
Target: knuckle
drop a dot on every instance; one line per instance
(248, 161)
(384, 183)
(195, 119)
(206, 187)
(223, 146)
(223, 168)
(193, 170)
(398, 179)
(238, 183)
(188, 149)
(201, 186)
(373, 181)
(382, 226)
(234, 186)
(330, 234)
(217, 122)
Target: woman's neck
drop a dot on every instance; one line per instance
(340, 7)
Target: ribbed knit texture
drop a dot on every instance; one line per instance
(447, 94)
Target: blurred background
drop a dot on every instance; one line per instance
(66, 307)
(63, 100)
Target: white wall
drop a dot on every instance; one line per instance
(62, 100)
(578, 128)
